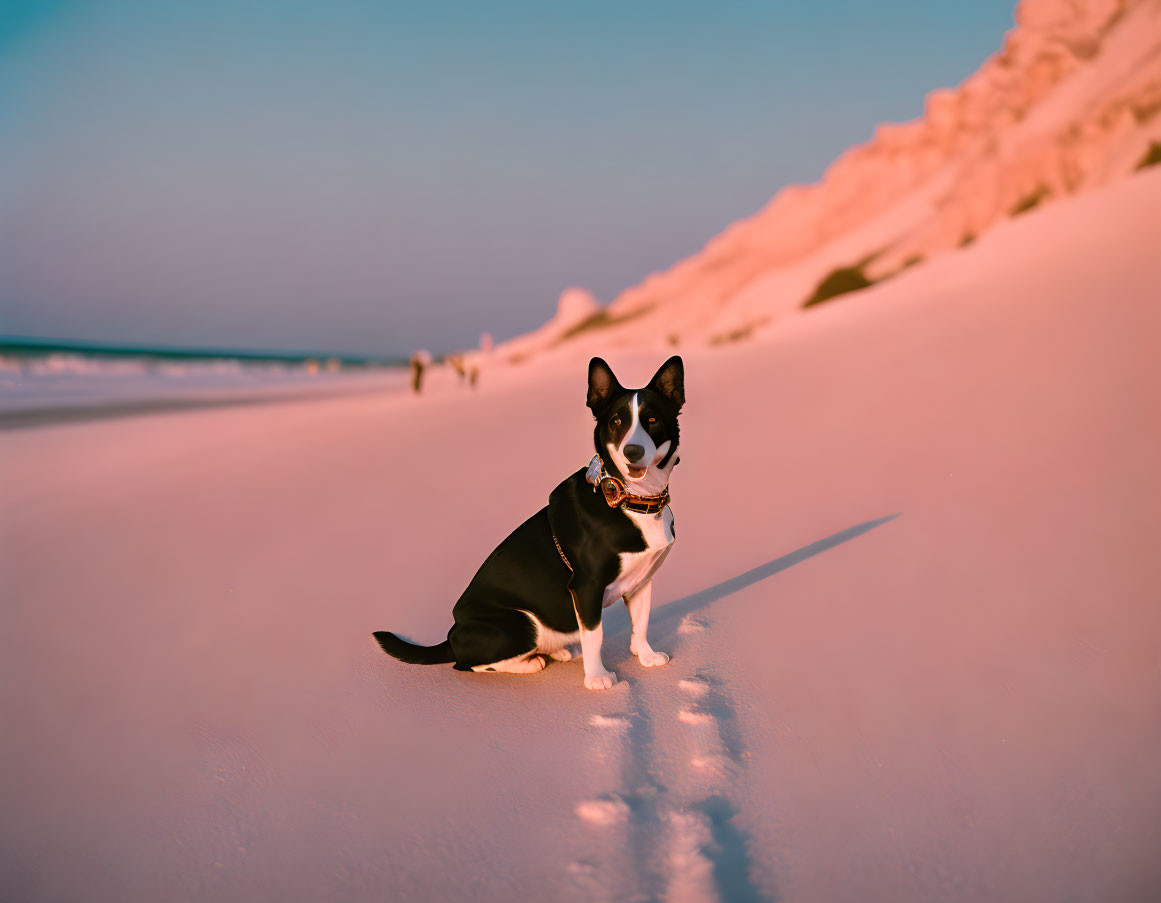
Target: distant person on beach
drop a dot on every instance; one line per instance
(465, 368)
(419, 360)
(485, 350)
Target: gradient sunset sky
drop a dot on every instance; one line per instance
(373, 177)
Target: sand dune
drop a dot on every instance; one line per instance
(1069, 103)
(913, 614)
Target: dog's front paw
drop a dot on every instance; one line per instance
(653, 659)
(602, 681)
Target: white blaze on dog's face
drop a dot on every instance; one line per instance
(637, 432)
(635, 451)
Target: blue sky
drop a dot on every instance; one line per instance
(371, 177)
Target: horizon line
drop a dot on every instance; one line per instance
(11, 341)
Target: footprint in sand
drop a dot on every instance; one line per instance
(692, 624)
(608, 811)
(649, 842)
(689, 868)
(698, 840)
(708, 755)
(614, 768)
(610, 722)
(612, 816)
(695, 687)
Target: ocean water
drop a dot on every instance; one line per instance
(41, 380)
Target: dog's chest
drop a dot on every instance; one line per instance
(637, 567)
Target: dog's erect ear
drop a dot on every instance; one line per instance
(669, 381)
(602, 383)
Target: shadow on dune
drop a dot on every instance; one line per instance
(705, 597)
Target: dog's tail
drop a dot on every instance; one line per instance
(413, 654)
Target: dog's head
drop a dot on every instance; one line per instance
(636, 434)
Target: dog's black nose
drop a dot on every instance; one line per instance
(634, 453)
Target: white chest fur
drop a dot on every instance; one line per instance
(637, 567)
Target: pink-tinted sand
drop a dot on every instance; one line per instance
(961, 702)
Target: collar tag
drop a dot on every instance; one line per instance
(617, 496)
(613, 490)
(593, 474)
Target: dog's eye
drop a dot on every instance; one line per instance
(652, 419)
(616, 421)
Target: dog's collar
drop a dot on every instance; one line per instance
(617, 496)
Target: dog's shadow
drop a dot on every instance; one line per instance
(617, 618)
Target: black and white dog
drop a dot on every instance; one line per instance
(603, 535)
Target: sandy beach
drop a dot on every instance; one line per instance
(913, 613)
(32, 399)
